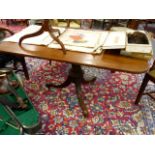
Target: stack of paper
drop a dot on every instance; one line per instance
(72, 48)
(80, 40)
(146, 56)
(90, 40)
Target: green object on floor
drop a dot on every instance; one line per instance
(12, 120)
(9, 129)
(7, 125)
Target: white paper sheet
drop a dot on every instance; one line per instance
(115, 40)
(80, 38)
(43, 39)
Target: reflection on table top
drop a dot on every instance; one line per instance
(104, 60)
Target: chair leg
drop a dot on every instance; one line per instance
(25, 68)
(142, 88)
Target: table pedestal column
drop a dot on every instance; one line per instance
(75, 76)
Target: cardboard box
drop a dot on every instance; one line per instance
(139, 48)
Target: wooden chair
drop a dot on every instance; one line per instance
(72, 23)
(149, 76)
(17, 21)
(6, 58)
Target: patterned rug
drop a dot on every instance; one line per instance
(110, 100)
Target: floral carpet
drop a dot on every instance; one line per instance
(110, 101)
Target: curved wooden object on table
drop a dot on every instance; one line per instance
(45, 27)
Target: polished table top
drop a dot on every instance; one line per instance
(107, 61)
